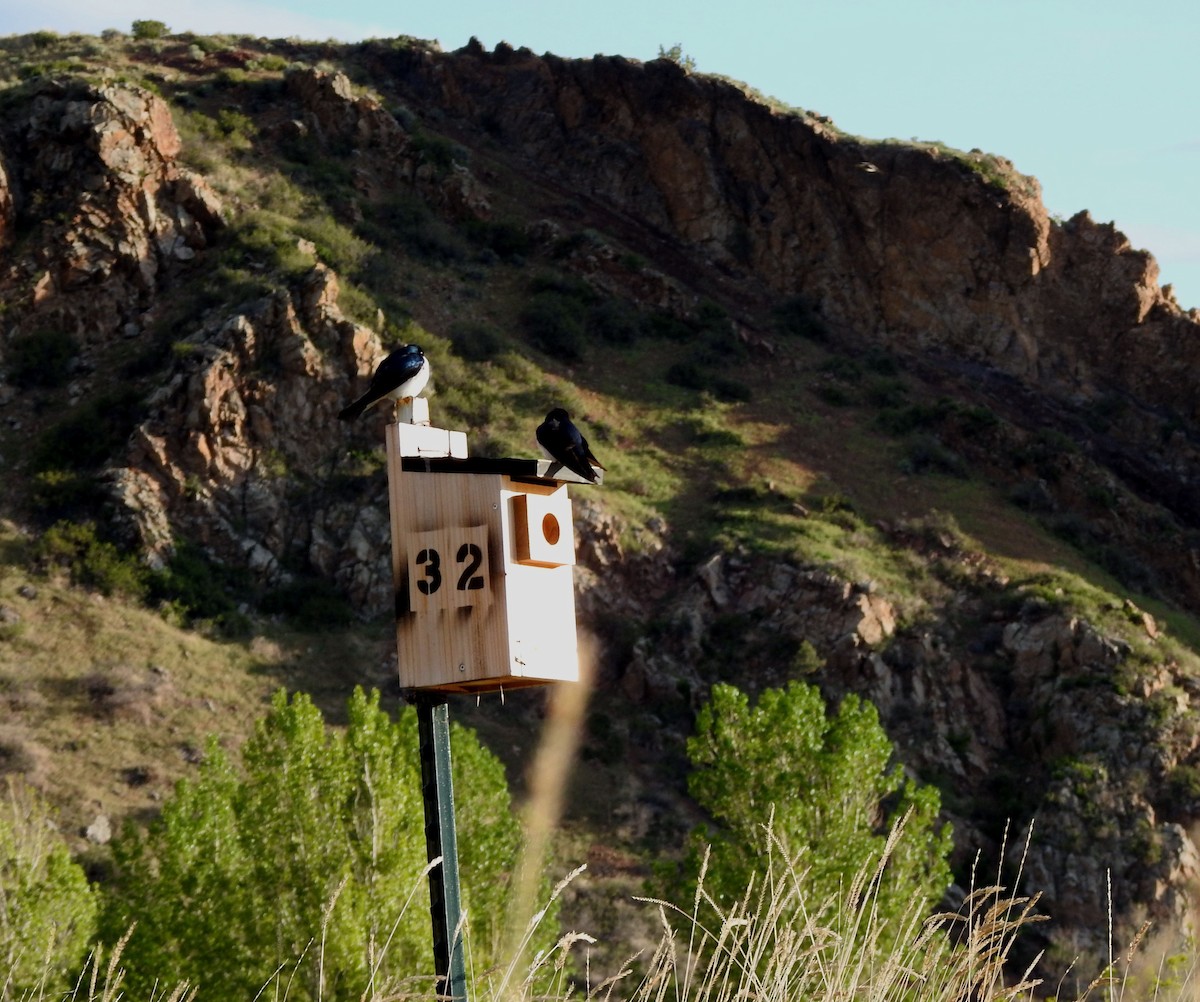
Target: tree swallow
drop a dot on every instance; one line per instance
(403, 374)
(564, 443)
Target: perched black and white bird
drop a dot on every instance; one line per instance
(565, 444)
(401, 375)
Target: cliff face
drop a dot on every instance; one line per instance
(1012, 700)
(917, 248)
(946, 259)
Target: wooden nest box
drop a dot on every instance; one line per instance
(482, 558)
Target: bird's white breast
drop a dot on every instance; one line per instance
(413, 385)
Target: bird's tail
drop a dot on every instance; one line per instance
(350, 412)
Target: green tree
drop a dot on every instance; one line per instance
(47, 907)
(676, 54)
(828, 782)
(311, 850)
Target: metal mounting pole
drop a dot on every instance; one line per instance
(437, 791)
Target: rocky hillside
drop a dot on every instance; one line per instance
(871, 416)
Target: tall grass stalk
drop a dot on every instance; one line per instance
(548, 778)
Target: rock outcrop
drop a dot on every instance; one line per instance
(111, 209)
(389, 155)
(229, 456)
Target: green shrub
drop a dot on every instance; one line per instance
(47, 907)
(977, 420)
(237, 127)
(695, 376)
(476, 341)
(661, 324)
(58, 495)
(885, 391)
(798, 316)
(143, 30)
(91, 561)
(928, 454)
(309, 603)
(208, 44)
(199, 589)
(615, 321)
(1183, 790)
(676, 54)
(437, 151)
(834, 394)
(554, 323)
(830, 785)
(42, 359)
(729, 390)
(317, 839)
(407, 219)
(563, 284)
(91, 435)
(843, 368)
(507, 239)
(1045, 452)
(687, 375)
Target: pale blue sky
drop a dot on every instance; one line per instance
(1098, 99)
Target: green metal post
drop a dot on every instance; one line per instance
(437, 790)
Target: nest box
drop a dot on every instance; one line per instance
(483, 552)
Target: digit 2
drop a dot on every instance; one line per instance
(473, 555)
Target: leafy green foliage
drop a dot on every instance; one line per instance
(60, 495)
(191, 588)
(47, 907)
(828, 783)
(315, 845)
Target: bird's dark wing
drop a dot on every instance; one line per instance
(587, 453)
(575, 459)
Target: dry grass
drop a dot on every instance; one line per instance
(106, 704)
